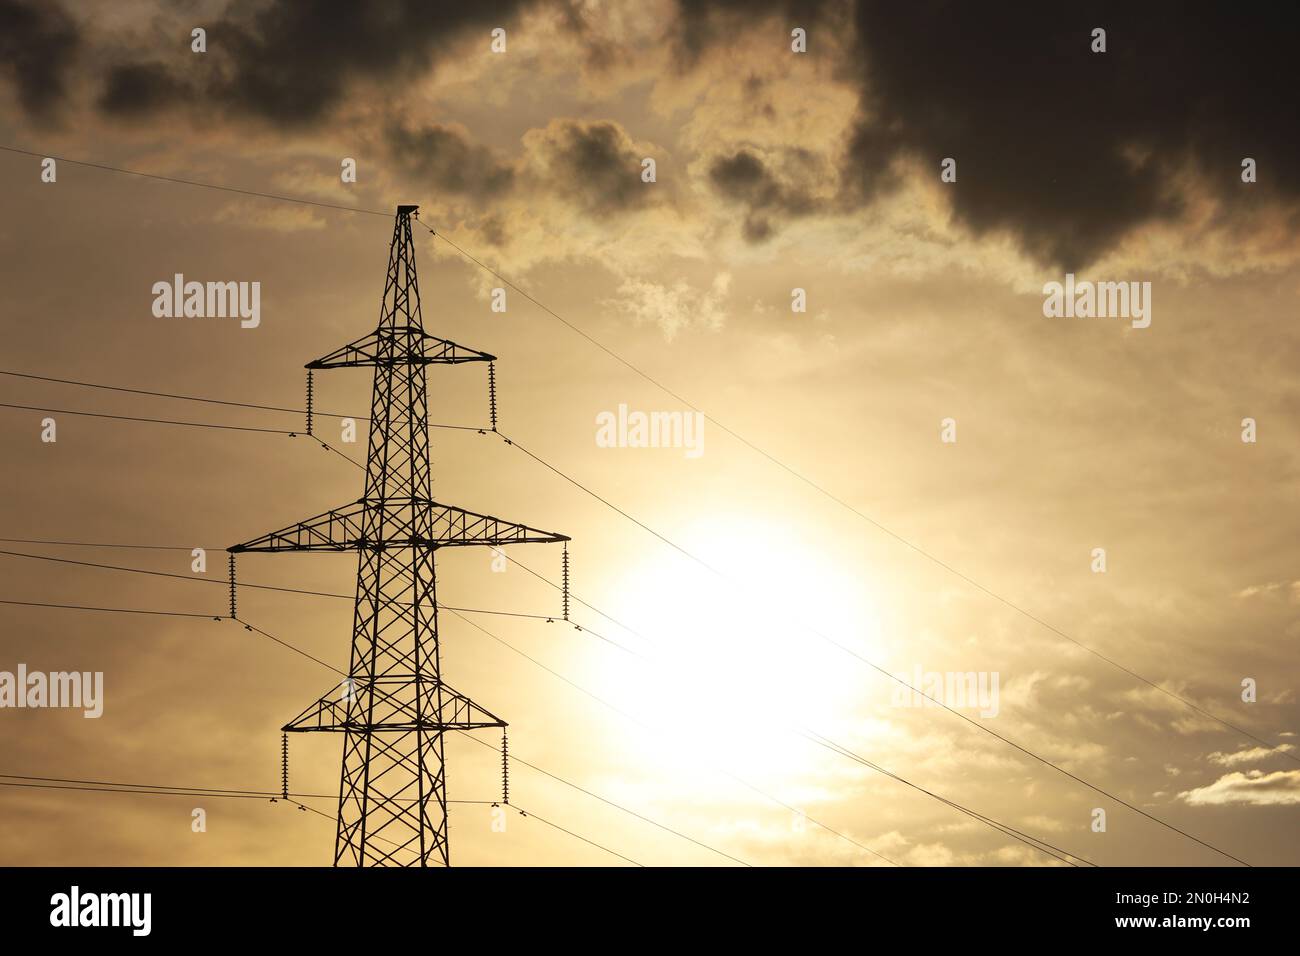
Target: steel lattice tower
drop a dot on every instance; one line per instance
(394, 709)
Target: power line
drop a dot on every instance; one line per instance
(809, 735)
(877, 668)
(824, 742)
(523, 813)
(192, 182)
(456, 611)
(459, 612)
(812, 736)
(1010, 831)
(297, 650)
(210, 401)
(163, 421)
(825, 492)
(554, 673)
(95, 544)
(744, 441)
(116, 786)
(591, 607)
(1025, 838)
(513, 757)
(609, 504)
(245, 584)
(587, 490)
(155, 421)
(147, 790)
(576, 836)
(107, 545)
(75, 784)
(114, 610)
(668, 391)
(848, 650)
(607, 802)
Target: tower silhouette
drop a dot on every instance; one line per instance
(394, 708)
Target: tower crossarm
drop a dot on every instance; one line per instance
(405, 345)
(456, 527)
(395, 709)
(339, 530)
(404, 522)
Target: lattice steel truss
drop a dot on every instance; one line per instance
(394, 708)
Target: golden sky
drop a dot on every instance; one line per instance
(775, 171)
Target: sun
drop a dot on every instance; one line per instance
(734, 661)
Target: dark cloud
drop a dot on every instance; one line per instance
(593, 166)
(446, 160)
(139, 89)
(38, 43)
(746, 180)
(291, 63)
(596, 165)
(702, 24)
(493, 229)
(1066, 149)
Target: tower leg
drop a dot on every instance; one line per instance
(382, 819)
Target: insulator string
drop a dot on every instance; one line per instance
(284, 766)
(505, 768)
(492, 393)
(232, 587)
(309, 402)
(564, 591)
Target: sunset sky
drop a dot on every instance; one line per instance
(842, 528)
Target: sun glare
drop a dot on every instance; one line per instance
(737, 659)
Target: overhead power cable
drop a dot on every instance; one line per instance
(889, 675)
(1140, 677)
(22, 782)
(196, 398)
(729, 431)
(816, 738)
(245, 584)
(456, 611)
(670, 392)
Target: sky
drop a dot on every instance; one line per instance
(912, 476)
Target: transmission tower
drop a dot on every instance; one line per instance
(394, 709)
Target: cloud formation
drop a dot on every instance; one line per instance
(446, 159)
(291, 63)
(745, 179)
(674, 307)
(38, 44)
(1254, 787)
(1066, 149)
(1250, 755)
(594, 163)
